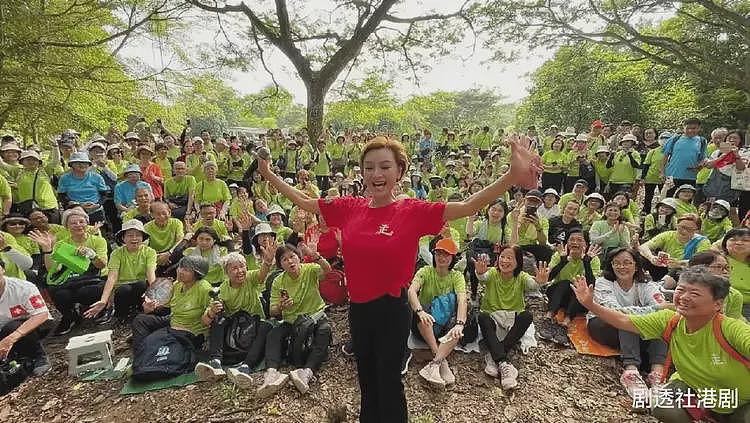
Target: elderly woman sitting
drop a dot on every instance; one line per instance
(239, 298)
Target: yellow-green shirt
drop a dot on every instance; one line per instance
(164, 239)
(187, 306)
(245, 297)
(303, 291)
(505, 294)
(132, 267)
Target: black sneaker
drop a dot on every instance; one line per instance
(348, 348)
(405, 363)
(105, 317)
(41, 365)
(64, 327)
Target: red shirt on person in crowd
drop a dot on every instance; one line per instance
(379, 244)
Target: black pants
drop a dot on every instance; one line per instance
(648, 196)
(553, 180)
(499, 349)
(744, 204)
(632, 347)
(615, 188)
(380, 329)
(65, 298)
(677, 183)
(25, 349)
(560, 296)
(254, 353)
(570, 182)
(129, 297)
(279, 336)
(324, 182)
(145, 324)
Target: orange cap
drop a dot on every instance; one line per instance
(448, 245)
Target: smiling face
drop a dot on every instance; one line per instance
(133, 238)
(79, 168)
(161, 214)
(620, 200)
(496, 213)
(686, 229)
(624, 266)
(236, 272)
(576, 244)
(665, 210)
(571, 210)
(39, 220)
(185, 275)
(275, 220)
(695, 300)
(685, 195)
(143, 197)
(381, 172)
(133, 177)
(15, 227)
(443, 259)
(612, 212)
(506, 261)
(76, 225)
(739, 246)
(208, 213)
(204, 242)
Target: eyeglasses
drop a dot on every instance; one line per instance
(687, 228)
(623, 263)
(720, 267)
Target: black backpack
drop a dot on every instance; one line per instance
(471, 329)
(240, 332)
(300, 343)
(11, 376)
(166, 353)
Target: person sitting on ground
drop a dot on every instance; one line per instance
(18, 226)
(715, 221)
(276, 216)
(65, 286)
(83, 186)
(33, 187)
(165, 236)
(206, 243)
(179, 191)
(684, 197)
(22, 312)
(574, 257)
(701, 363)
(142, 209)
(439, 282)
(736, 244)
(503, 305)
(590, 211)
(610, 233)
(630, 214)
(295, 293)
(491, 231)
(528, 229)
(186, 307)
(623, 287)
(131, 270)
(579, 193)
(125, 190)
(673, 249)
(660, 220)
(213, 191)
(559, 226)
(240, 293)
(207, 219)
(549, 207)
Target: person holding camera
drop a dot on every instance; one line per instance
(528, 229)
(554, 161)
(610, 232)
(625, 165)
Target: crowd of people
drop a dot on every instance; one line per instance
(234, 246)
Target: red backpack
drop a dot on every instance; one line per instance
(716, 322)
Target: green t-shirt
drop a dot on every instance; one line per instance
(187, 306)
(5, 191)
(132, 267)
(174, 188)
(715, 230)
(653, 159)
(44, 195)
(195, 165)
(602, 171)
(739, 277)
(134, 213)
(118, 168)
(283, 233)
(212, 192)
(554, 158)
(733, 304)
(336, 151)
(323, 166)
(668, 242)
(565, 199)
(699, 360)
(11, 268)
(705, 172)
(460, 226)
(573, 268)
(304, 292)
(434, 285)
(245, 297)
(622, 170)
(527, 233)
(684, 208)
(29, 247)
(217, 225)
(493, 233)
(95, 242)
(215, 273)
(505, 294)
(163, 239)
(165, 165)
(573, 163)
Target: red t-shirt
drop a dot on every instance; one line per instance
(379, 245)
(328, 245)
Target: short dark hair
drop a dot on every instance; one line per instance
(692, 121)
(209, 231)
(577, 230)
(734, 232)
(705, 258)
(608, 272)
(518, 253)
(283, 249)
(701, 275)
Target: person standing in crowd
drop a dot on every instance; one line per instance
(684, 155)
(382, 227)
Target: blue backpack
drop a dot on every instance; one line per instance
(442, 309)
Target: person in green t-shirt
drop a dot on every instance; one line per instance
(662, 219)
(6, 195)
(673, 249)
(296, 293)
(716, 221)
(684, 196)
(492, 229)
(165, 236)
(208, 220)
(737, 245)
(431, 282)
(555, 162)
(529, 230)
(574, 258)
(624, 164)
(33, 184)
(239, 298)
(701, 364)
(179, 191)
(212, 190)
(132, 269)
(207, 245)
(187, 306)
(503, 307)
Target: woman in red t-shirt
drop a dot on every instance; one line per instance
(379, 240)
(150, 171)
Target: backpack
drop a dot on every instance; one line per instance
(471, 329)
(166, 353)
(12, 374)
(300, 343)
(442, 308)
(716, 322)
(240, 332)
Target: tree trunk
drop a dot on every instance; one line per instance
(316, 95)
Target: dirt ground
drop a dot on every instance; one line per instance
(556, 385)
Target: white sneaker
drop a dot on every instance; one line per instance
(508, 375)
(240, 376)
(273, 381)
(210, 372)
(301, 379)
(431, 373)
(490, 367)
(446, 374)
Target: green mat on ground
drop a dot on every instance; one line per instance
(134, 387)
